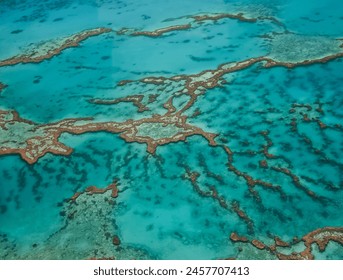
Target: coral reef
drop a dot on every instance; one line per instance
(195, 21)
(37, 53)
(292, 49)
(89, 230)
(258, 142)
(321, 237)
(136, 100)
(32, 141)
(155, 33)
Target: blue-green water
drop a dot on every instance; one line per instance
(159, 212)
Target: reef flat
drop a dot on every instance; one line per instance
(174, 130)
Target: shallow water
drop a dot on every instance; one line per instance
(181, 195)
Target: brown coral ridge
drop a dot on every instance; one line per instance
(91, 190)
(161, 31)
(272, 63)
(155, 33)
(268, 145)
(44, 138)
(193, 177)
(280, 243)
(258, 244)
(321, 237)
(196, 21)
(236, 208)
(216, 17)
(237, 238)
(136, 100)
(239, 16)
(296, 182)
(65, 43)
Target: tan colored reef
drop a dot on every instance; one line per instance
(321, 237)
(194, 21)
(216, 17)
(36, 53)
(32, 140)
(155, 33)
(136, 100)
(113, 187)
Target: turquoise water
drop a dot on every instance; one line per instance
(160, 211)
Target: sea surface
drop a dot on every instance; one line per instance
(218, 123)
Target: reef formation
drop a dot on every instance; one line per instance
(39, 52)
(242, 143)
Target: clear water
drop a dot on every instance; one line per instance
(158, 213)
